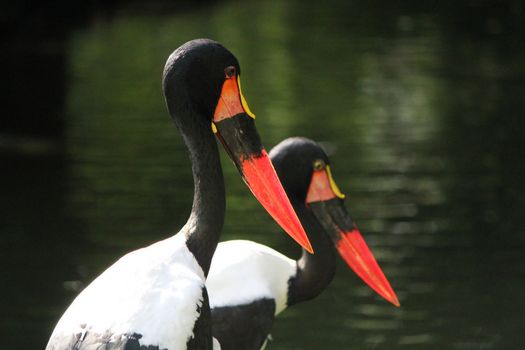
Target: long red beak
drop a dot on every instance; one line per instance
(326, 201)
(354, 250)
(233, 123)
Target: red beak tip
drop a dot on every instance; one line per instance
(303, 241)
(392, 299)
(354, 250)
(309, 248)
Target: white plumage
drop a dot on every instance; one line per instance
(243, 271)
(153, 291)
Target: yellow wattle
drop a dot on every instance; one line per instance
(333, 185)
(243, 100)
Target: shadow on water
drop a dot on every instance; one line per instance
(421, 106)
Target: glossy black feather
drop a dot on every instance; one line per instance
(243, 327)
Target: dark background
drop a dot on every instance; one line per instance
(421, 103)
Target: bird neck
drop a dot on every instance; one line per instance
(314, 271)
(206, 220)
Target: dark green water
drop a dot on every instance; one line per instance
(422, 105)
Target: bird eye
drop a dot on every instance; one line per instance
(229, 72)
(319, 164)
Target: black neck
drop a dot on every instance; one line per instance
(314, 271)
(204, 225)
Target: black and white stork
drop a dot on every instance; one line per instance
(249, 283)
(155, 297)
